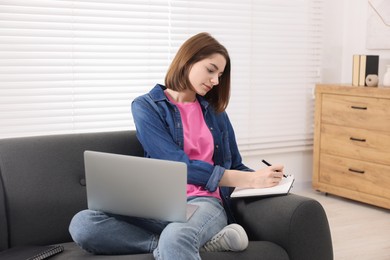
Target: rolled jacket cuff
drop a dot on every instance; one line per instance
(215, 178)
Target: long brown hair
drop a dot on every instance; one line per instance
(197, 48)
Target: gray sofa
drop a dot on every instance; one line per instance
(42, 186)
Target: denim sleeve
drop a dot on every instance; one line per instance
(155, 134)
(215, 178)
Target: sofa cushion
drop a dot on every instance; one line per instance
(44, 182)
(256, 250)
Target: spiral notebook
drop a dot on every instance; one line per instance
(31, 252)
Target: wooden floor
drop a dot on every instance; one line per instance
(359, 231)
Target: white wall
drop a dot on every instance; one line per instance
(345, 29)
(297, 163)
(345, 24)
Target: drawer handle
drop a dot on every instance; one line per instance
(360, 108)
(357, 139)
(356, 171)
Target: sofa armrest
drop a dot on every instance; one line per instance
(296, 223)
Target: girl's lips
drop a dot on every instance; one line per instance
(207, 86)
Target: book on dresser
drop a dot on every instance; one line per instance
(364, 65)
(352, 143)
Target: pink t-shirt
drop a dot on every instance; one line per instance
(198, 141)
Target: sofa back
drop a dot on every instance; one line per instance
(42, 183)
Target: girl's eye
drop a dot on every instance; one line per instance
(210, 70)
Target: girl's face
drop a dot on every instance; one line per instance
(205, 74)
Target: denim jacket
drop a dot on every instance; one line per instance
(160, 131)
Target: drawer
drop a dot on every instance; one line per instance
(351, 111)
(355, 175)
(362, 144)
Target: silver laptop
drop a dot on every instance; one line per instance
(137, 186)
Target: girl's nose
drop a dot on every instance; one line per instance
(215, 80)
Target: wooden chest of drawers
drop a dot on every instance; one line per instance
(352, 143)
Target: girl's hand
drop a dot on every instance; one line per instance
(267, 177)
(263, 178)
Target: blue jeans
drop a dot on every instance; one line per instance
(103, 233)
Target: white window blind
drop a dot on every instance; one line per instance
(75, 66)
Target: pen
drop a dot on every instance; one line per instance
(268, 164)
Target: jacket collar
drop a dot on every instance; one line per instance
(157, 94)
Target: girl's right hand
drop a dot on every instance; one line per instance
(267, 177)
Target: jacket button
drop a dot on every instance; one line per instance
(82, 182)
